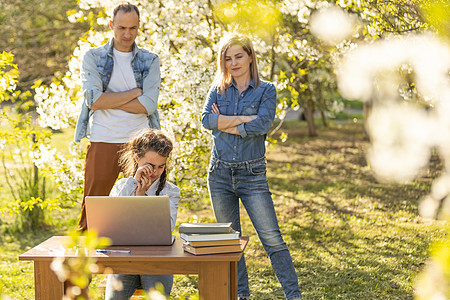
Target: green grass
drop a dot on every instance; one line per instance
(348, 116)
(61, 139)
(353, 104)
(350, 236)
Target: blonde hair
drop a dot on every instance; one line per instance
(138, 146)
(223, 79)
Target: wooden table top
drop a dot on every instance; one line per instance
(54, 247)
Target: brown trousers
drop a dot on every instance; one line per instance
(101, 169)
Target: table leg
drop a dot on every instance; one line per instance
(46, 283)
(233, 280)
(214, 281)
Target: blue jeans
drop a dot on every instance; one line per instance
(131, 283)
(227, 182)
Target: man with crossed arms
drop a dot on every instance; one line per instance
(120, 84)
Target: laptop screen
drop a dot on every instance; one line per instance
(130, 220)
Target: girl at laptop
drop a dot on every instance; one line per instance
(144, 161)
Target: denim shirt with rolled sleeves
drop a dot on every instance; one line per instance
(250, 143)
(96, 69)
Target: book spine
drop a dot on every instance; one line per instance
(208, 237)
(203, 230)
(214, 243)
(211, 250)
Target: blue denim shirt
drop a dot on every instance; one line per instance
(96, 69)
(249, 144)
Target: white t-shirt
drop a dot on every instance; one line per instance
(116, 125)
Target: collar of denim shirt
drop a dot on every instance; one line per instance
(233, 84)
(110, 47)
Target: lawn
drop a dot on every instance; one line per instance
(350, 236)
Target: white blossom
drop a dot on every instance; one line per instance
(332, 25)
(402, 133)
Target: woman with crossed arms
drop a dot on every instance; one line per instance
(240, 109)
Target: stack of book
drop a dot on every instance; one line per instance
(209, 238)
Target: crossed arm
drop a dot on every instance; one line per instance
(126, 101)
(229, 124)
(137, 101)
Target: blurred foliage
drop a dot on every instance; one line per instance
(433, 281)
(437, 14)
(38, 33)
(385, 17)
(77, 270)
(254, 16)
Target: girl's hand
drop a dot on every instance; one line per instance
(145, 170)
(142, 176)
(143, 185)
(215, 109)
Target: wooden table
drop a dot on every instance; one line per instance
(217, 273)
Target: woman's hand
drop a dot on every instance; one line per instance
(142, 176)
(215, 109)
(237, 119)
(229, 124)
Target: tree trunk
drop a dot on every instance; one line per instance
(309, 115)
(272, 57)
(367, 109)
(324, 119)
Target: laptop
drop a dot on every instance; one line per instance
(130, 220)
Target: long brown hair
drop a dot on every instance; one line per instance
(138, 146)
(223, 79)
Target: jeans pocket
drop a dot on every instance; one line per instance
(259, 169)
